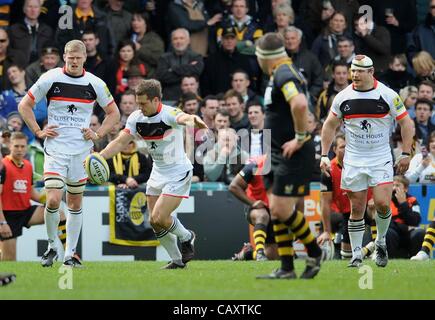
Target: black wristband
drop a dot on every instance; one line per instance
(324, 155)
(405, 154)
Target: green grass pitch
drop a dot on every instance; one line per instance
(218, 280)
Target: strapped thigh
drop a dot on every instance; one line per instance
(52, 181)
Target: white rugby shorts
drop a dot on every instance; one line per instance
(356, 179)
(175, 185)
(70, 167)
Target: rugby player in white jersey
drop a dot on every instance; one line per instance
(368, 108)
(160, 126)
(71, 94)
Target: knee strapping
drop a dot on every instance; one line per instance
(75, 187)
(54, 182)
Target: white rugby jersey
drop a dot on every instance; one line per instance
(70, 103)
(368, 116)
(163, 137)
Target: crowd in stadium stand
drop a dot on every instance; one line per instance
(203, 53)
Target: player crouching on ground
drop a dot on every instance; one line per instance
(159, 126)
(16, 191)
(248, 187)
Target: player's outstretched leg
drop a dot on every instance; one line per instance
(299, 226)
(186, 237)
(169, 242)
(284, 240)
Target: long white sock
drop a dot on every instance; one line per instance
(382, 224)
(52, 219)
(179, 230)
(356, 233)
(73, 228)
(169, 242)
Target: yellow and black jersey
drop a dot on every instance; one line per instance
(285, 83)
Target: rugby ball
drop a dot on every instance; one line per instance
(97, 168)
(328, 250)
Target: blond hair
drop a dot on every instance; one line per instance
(423, 63)
(75, 46)
(284, 8)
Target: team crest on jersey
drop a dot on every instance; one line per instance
(71, 109)
(365, 126)
(153, 145)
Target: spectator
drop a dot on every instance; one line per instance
(404, 237)
(409, 96)
(304, 60)
(284, 17)
(424, 66)
(221, 120)
(396, 77)
(148, 44)
(221, 65)
(234, 102)
(30, 35)
(399, 17)
(256, 117)
(340, 80)
(426, 90)
(124, 59)
(423, 36)
(88, 17)
(190, 103)
(346, 50)
(129, 168)
(226, 159)
(192, 16)
(118, 19)
(15, 122)
(247, 29)
(372, 40)
(95, 62)
(127, 105)
(423, 125)
(10, 98)
(49, 59)
(190, 84)
(209, 108)
(8, 56)
(240, 82)
(17, 211)
(422, 166)
(134, 76)
(175, 64)
(317, 13)
(325, 45)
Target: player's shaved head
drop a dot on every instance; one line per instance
(151, 88)
(271, 41)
